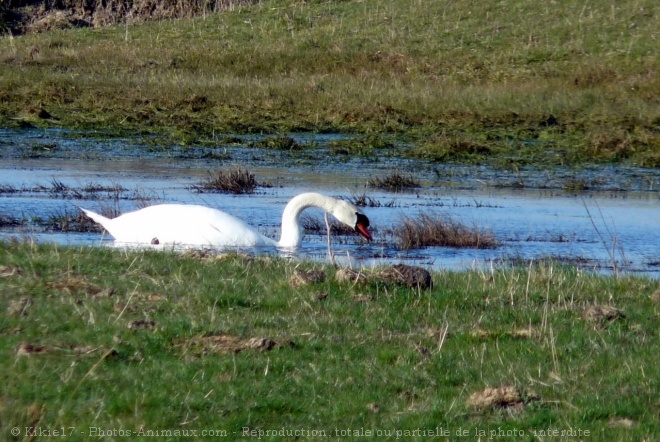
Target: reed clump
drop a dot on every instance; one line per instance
(432, 229)
(395, 182)
(236, 180)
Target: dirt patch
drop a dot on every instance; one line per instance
(306, 277)
(226, 343)
(602, 315)
(655, 297)
(408, 276)
(518, 333)
(31, 349)
(141, 324)
(506, 397)
(19, 307)
(9, 271)
(621, 422)
(362, 298)
(72, 285)
(350, 275)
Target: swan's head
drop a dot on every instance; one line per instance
(350, 215)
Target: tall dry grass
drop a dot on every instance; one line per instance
(432, 229)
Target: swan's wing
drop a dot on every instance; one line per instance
(185, 225)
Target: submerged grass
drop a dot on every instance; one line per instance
(96, 339)
(569, 83)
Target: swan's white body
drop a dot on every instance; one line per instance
(193, 225)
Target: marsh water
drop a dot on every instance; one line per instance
(612, 227)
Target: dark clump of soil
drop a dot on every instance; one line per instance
(409, 276)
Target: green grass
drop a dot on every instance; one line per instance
(122, 350)
(510, 83)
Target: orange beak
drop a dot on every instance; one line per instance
(362, 227)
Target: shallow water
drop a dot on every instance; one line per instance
(606, 230)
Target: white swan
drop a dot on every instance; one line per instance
(202, 226)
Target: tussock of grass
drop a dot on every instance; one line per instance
(236, 180)
(282, 142)
(363, 146)
(395, 182)
(432, 229)
(101, 338)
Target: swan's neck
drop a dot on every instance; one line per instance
(291, 228)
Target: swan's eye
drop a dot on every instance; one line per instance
(362, 219)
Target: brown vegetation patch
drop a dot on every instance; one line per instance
(236, 181)
(361, 297)
(18, 307)
(9, 271)
(519, 333)
(430, 229)
(409, 276)
(29, 349)
(350, 275)
(41, 16)
(602, 314)
(655, 297)
(72, 285)
(373, 407)
(621, 422)
(507, 397)
(306, 277)
(394, 182)
(225, 343)
(141, 324)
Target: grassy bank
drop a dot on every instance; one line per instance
(103, 340)
(509, 83)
